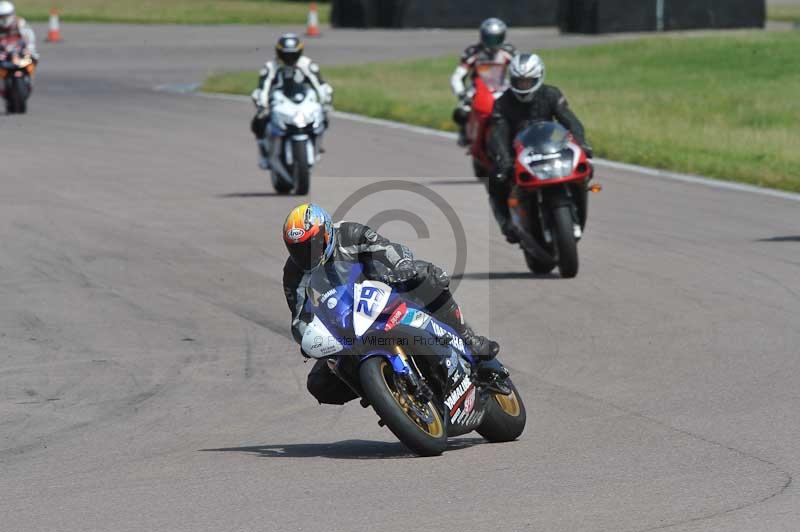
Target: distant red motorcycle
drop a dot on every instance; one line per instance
(16, 72)
(488, 85)
(549, 200)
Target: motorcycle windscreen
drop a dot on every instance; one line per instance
(544, 137)
(493, 74)
(330, 294)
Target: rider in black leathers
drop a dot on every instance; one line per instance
(388, 262)
(528, 100)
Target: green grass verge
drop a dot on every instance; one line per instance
(174, 11)
(723, 106)
(784, 13)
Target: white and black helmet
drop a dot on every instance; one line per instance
(493, 33)
(526, 75)
(7, 15)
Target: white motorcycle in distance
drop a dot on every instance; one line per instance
(297, 123)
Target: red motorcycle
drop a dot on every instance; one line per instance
(549, 200)
(16, 72)
(488, 85)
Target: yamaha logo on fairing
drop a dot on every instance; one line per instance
(295, 233)
(327, 294)
(456, 394)
(457, 342)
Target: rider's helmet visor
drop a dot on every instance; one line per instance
(524, 84)
(308, 254)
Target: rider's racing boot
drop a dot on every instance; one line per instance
(503, 217)
(493, 374)
(490, 371)
(510, 232)
(482, 347)
(263, 153)
(462, 137)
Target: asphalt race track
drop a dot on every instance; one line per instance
(148, 382)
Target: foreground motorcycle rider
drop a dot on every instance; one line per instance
(14, 29)
(314, 241)
(288, 53)
(493, 49)
(526, 101)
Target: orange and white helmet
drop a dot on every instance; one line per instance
(309, 236)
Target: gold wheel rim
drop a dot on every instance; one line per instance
(509, 403)
(434, 429)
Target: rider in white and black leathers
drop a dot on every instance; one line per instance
(288, 53)
(526, 101)
(14, 29)
(382, 260)
(493, 49)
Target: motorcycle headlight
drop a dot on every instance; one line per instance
(554, 168)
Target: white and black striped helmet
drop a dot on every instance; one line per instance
(493, 33)
(526, 75)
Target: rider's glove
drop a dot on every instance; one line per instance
(588, 149)
(262, 112)
(403, 272)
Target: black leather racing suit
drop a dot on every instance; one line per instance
(510, 116)
(356, 242)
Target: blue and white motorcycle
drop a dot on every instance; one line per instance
(296, 126)
(415, 371)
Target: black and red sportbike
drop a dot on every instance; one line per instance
(16, 72)
(549, 199)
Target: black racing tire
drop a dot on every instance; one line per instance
(537, 267)
(505, 417)
(480, 172)
(19, 95)
(302, 172)
(565, 241)
(378, 382)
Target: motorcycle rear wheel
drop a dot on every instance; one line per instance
(505, 417)
(400, 411)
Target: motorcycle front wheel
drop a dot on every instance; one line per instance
(302, 172)
(565, 241)
(420, 427)
(17, 97)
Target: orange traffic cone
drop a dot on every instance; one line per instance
(312, 29)
(54, 35)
